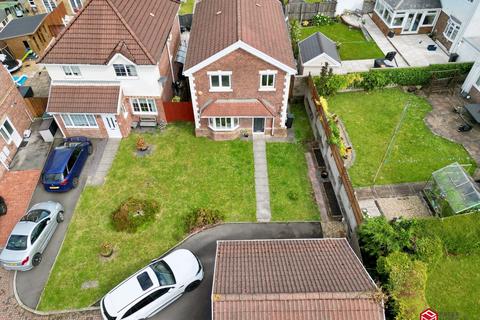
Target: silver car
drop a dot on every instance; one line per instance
(30, 236)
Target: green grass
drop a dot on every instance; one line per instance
(187, 7)
(291, 194)
(370, 119)
(353, 46)
(183, 173)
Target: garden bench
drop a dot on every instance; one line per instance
(148, 121)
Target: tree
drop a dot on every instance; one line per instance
(295, 35)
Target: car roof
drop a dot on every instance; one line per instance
(23, 228)
(129, 292)
(57, 160)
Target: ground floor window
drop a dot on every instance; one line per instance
(6, 130)
(223, 123)
(451, 30)
(141, 105)
(79, 120)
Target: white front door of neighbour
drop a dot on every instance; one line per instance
(111, 125)
(9, 133)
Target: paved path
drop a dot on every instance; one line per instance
(98, 178)
(30, 284)
(262, 191)
(194, 305)
(390, 190)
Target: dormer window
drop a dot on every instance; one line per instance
(220, 81)
(71, 71)
(267, 80)
(125, 70)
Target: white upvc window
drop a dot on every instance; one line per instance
(451, 30)
(429, 18)
(267, 80)
(79, 120)
(49, 5)
(477, 84)
(223, 123)
(220, 81)
(143, 106)
(76, 5)
(125, 70)
(6, 130)
(32, 3)
(72, 71)
(384, 12)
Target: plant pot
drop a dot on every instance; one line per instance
(106, 251)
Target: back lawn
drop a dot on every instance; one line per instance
(182, 173)
(370, 119)
(291, 194)
(186, 7)
(353, 45)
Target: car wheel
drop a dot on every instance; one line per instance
(90, 149)
(37, 258)
(75, 182)
(192, 285)
(60, 217)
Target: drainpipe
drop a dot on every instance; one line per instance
(170, 57)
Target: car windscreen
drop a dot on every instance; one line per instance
(17, 242)
(35, 215)
(52, 177)
(163, 273)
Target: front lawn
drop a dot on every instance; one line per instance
(353, 45)
(181, 174)
(370, 119)
(291, 195)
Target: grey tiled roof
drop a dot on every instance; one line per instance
(317, 44)
(22, 26)
(414, 4)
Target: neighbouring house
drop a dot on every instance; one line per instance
(31, 32)
(316, 51)
(14, 119)
(45, 6)
(292, 279)
(10, 10)
(239, 65)
(112, 67)
(453, 23)
(471, 85)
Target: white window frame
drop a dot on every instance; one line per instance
(51, 5)
(127, 71)
(4, 132)
(32, 4)
(267, 73)
(453, 26)
(68, 121)
(71, 71)
(150, 102)
(213, 123)
(429, 13)
(220, 88)
(78, 5)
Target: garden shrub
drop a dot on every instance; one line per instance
(429, 249)
(295, 35)
(134, 213)
(321, 20)
(406, 282)
(201, 217)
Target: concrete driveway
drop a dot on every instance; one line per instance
(30, 284)
(197, 304)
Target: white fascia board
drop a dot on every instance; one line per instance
(311, 62)
(239, 45)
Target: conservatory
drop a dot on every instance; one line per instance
(406, 17)
(452, 191)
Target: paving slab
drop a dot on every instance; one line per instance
(262, 191)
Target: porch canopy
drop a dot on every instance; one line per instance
(452, 191)
(93, 99)
(237, 108)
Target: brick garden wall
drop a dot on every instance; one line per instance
(440, 27)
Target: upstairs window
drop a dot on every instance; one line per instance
(220, 81)
(49, 5)
(76, 5)
(267, 80)
(451, 30)
(72, 71)
(125, 70)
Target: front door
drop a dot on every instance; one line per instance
(111, 125)
(412, 22)
(258, 125)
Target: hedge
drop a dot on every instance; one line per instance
(380, 78)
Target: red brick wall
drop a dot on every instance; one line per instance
(440, 27)
(164, 64)
(99, 132)
(245, 82)
(475, 94)
(384, 28)
(12, 106)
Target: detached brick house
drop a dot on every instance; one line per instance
(292, 280)
(113, 65)
(239, 65)
(14, 119)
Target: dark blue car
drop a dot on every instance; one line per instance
(65, 163)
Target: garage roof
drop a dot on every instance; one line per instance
(22, 26)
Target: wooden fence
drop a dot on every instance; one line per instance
(36, 106)
(301, 10)
(178, 111)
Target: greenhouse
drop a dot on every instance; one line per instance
(452, 191)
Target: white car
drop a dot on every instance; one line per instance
(30, 236)
(154, 287)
